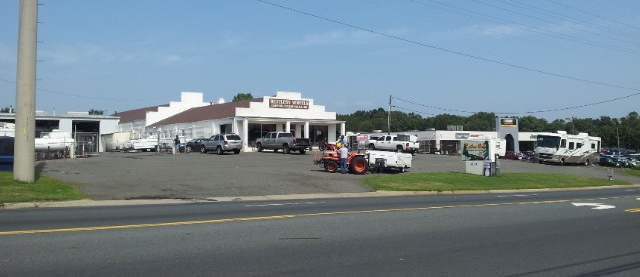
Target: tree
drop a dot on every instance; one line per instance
(481, 121)
(96, 112)
(242, 97)
(7, 110)
(532, 124)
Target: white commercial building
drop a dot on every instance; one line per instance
(193, 118)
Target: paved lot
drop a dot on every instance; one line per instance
(115, 176)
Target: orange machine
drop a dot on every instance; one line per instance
(356, 162)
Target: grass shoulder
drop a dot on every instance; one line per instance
(463, 181)
(632, 171)
(44, 188)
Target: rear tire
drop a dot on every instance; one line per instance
(302, 151)
(236, 151)
(260, 147)
(286, 149)
(219, 150)
(358, 165)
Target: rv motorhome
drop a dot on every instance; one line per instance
(562, 148)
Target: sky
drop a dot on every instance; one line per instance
(552, 59)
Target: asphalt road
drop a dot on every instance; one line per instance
(533, 234)
(119, 176)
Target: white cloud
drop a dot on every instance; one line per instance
(338, 37)
(7, 54)
(491, 30)
(76, 54)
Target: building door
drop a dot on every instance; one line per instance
(510, 145)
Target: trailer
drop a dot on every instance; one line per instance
(380, 161)
(562, 148)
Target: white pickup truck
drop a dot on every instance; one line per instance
(399, 143)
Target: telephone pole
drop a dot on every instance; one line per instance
(389, 118)
(25, 142)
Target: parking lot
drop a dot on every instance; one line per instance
(149, 175)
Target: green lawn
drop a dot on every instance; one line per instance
(43, 189)
(463, 181)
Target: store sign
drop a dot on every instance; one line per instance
(508, 122)
(288, 104)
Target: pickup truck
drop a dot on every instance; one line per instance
(282, 140)
(399, 143)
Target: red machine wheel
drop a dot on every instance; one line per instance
(358, 165)
(331, 166)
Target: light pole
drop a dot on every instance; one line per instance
(573, 126)
(618, 134)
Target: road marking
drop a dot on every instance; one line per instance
(284, 204)
(239, 219)
(596, 206)
(517, 195)
(636, 210)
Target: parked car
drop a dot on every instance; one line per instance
(194, 144)
(609, 161)
(222, 143)
(510, 155)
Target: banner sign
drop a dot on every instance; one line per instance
(475, 150)
(288, 104)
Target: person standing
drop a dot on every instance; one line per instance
(344, 141)
(176, 145)
(344, 154)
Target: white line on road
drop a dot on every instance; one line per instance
(596, 206)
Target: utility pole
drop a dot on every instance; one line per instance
(25, 142)
(389, 118)
(618, 134)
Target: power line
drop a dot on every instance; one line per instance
(448, 50)
(521, 26)
(594, 15)
(527, 112)
(606, 45)
(89, 97)
(447, 7)
(574, 19)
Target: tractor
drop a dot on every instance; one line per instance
(356, 162)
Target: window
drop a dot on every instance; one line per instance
(571, 146)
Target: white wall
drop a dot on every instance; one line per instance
(188, 100)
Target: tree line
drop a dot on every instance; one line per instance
(621, 132)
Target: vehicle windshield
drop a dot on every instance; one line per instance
(548, 141)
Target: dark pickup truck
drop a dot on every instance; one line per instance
(282, 140)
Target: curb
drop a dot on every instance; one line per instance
(99, 203)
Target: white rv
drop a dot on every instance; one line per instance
(562, 148)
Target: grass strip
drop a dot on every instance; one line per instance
(44, 188)
(463, 181)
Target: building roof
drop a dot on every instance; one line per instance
(138, 114)
(210, 112)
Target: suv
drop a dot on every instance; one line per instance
(222, 143)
